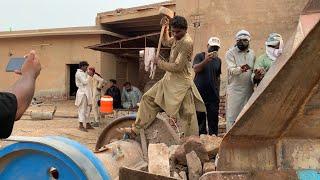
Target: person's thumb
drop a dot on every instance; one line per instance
(18, 72)
(31, 55)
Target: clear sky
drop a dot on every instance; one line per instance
(39, 14)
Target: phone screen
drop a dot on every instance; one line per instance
(15, 64)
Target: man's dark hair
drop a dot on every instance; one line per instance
(179, 22)
(113, 81)
(127, 83)
(83, 63)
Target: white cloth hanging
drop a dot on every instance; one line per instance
(149, 55)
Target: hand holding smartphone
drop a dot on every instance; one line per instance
(209, 56)
(15, 64)
(245, 68)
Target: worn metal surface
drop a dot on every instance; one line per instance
(285, 107)
(121, 153)
(132, 174)
(110, 132)
(260, 175)
(313, 6)
(159, 131)
(298, 153)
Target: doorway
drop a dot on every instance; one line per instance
(72, 68)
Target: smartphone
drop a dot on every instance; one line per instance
(247, 66)
(15, 64)
(213, 54)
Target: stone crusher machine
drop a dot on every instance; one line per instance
(276, 136)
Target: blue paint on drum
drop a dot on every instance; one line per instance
(89, 154)
(308, 174)
(32, 160)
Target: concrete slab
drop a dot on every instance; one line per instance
(158, 156)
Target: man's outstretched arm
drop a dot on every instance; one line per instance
(24, 88)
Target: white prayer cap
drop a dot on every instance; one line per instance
(243, 34)
(273, 39)
(214, 41)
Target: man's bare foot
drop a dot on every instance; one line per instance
(88, 126)
(127, 131)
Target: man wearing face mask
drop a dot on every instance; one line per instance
(130, 96)
(274, 47)
(240, 61)
(207, 66)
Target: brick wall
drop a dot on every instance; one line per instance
(222, 107)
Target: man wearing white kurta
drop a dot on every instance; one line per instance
(83, 96)
(240, 62)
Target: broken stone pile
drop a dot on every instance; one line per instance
(190, 160)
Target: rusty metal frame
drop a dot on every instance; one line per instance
(313, 6)
(103, 45)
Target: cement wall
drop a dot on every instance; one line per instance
(133, 71)
(108, 65)
(55, 52)
(127, 70)
(223, 19)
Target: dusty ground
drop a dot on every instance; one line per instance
(64, 124)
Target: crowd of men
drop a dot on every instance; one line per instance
(194, 102)
(90, 84)
(191, 102)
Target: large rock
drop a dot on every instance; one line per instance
(194, 166)
(180, 155)
(158, 156)
(192, 143)
(211, 144)
(176, 175)
(208, 167)
(172, 150)
(183, 175)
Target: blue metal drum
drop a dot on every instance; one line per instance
(49, 158)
